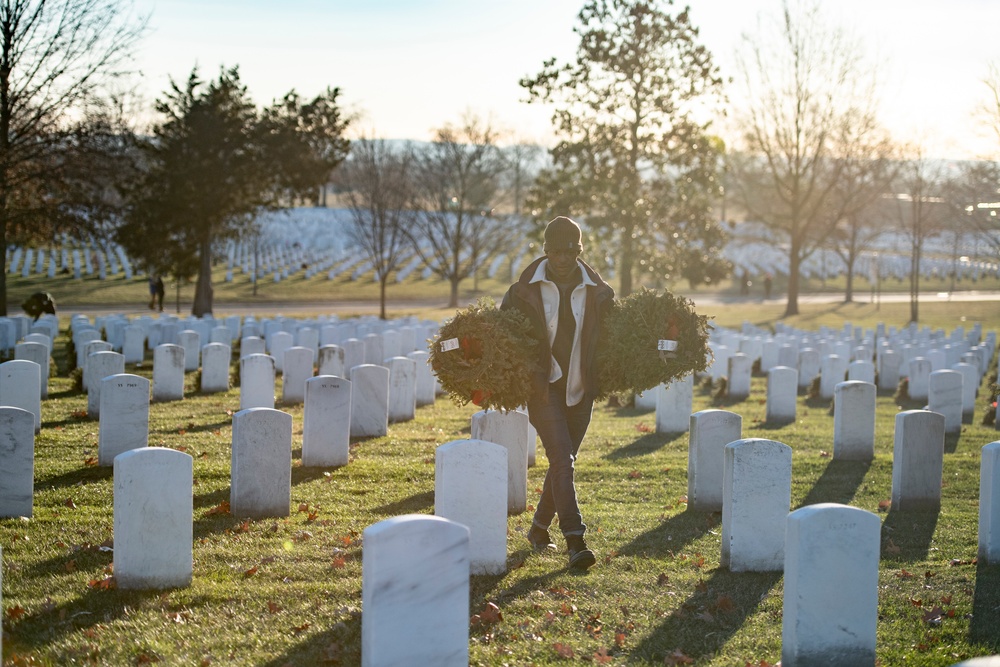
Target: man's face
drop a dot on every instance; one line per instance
(562, 263)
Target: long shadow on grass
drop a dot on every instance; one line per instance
(196, 428)
(414, 504)
(906, 536)
(704, 622)
(83, 475)
(672, 535)
(838, 483)
(951, 442)
(986, 608)
(644, 445)
(96, 606)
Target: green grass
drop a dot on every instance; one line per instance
(286, 591)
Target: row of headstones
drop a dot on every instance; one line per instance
(416, 568)
(34, 262)
(829, 553)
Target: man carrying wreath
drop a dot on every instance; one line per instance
(566, 302)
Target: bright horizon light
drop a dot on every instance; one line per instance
(408, 67)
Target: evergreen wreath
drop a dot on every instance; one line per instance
(629, 360)
(485, 355)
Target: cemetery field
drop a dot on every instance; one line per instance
(132, 294)
(287, 591)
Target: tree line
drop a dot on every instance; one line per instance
(638, 114)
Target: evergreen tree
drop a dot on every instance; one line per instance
(633, 160)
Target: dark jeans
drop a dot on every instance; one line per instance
(561, 429)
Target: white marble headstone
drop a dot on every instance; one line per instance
(470, 488)
(153, 518)
(782, 394)
(402, 388)
(369, 401)
(215, 358)
(711, 431)
(256, 381)
(917, 460)
(415, 593)
(756, 495)
(326, 430)
(509, 430)
(168, 372)
(989, 505)
(261, 484)
(830, 608)
(17, 462)
(20, 382)
(297, 367)
(124, 419)
(854, 421)
(673, 405)
(944, 396)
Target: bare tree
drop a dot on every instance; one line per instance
(377, 189)
(457, 183)
(809, 99)
(58, 60)
(920, 212)
(867, 172)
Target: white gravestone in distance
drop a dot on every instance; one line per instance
(809, 364)
(854, 421)
(782, 394)
(20, 382)
(326, 426)
(917, 460)
(369, 401)
(425, 392)
(215, 359)
(470, 488)
(252, 345)
(989, 505)
(970, 385)
(256, 381)
(89, 348)
(134, 345)
(711, 431)
(190, 340)
(331, 360)
(99, 366)
(153, 518)
(38, 353)
(415, 592)
(756, 495)
(862, 371)
(831, 374)
(508, 430)
(277, 343)
(17, 462)
(673, 405)
(297, 367)
(354, 354)
(402, 388)
(944, 396)
(168, 372)
(124, 417)
(830, 608)
(740, 368)
(261, 483)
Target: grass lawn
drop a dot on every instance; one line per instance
(278, 592)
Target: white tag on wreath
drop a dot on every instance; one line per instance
(666, 345)
(450, 344)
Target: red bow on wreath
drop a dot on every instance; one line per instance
(479, 396)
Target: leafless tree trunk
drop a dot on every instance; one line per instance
(809, 100)
(920, 212)
(377, 186)
(457, 179)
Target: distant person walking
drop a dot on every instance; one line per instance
(156, 292)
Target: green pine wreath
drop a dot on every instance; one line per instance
(485, 355)
(628, 359)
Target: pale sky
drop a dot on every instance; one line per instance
(408, 67)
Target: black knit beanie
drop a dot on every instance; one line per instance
(562, 234)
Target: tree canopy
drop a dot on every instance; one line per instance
(63, 145)
(635, 159)
(213, 163)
